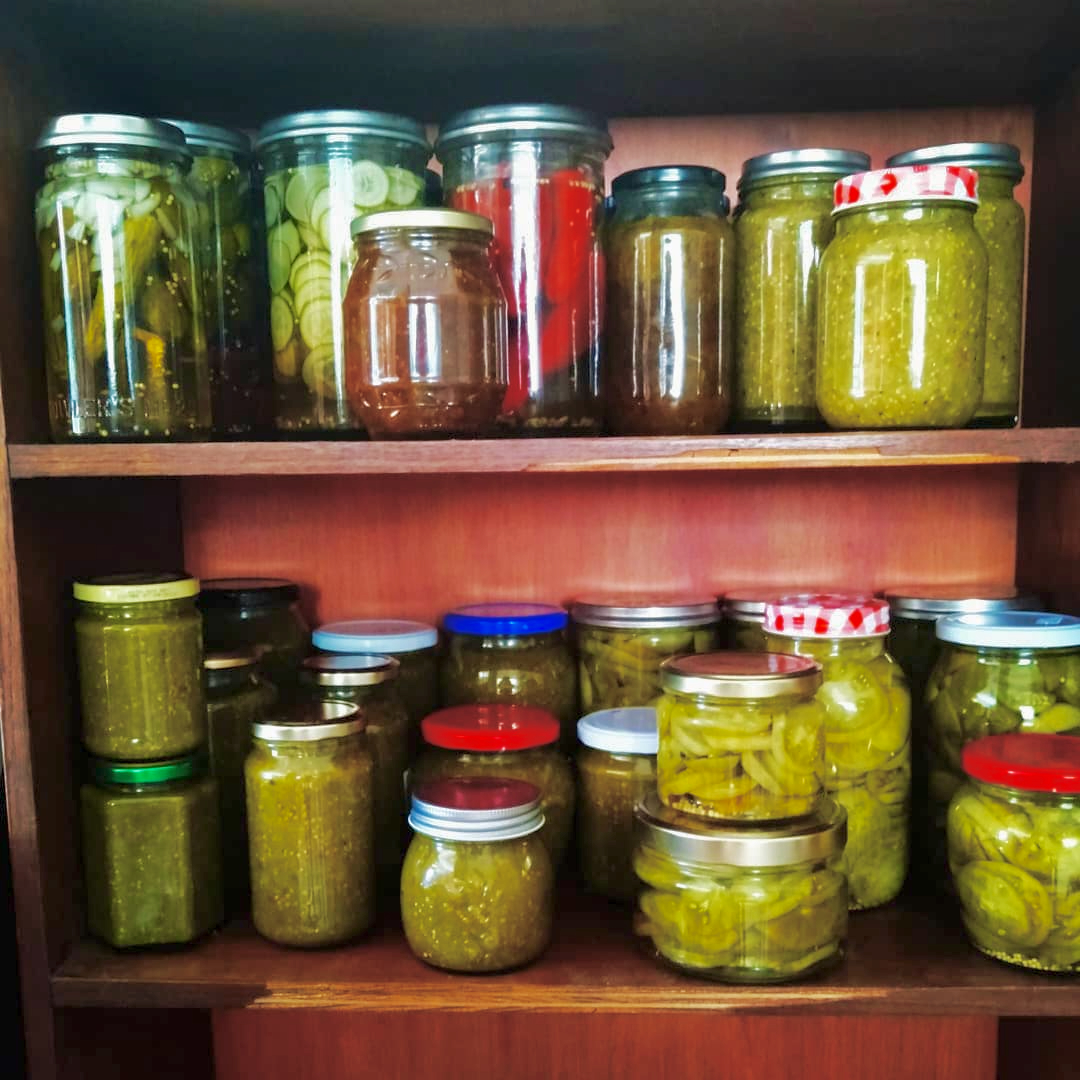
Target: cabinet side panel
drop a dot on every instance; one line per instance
(1048, 555)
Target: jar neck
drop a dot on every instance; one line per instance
(669, 200)
(788, 188)
(367, 692)
(1010, 654)
(224, 681)
(777, 701)
(163, 787)
(824, 648)
(938, 213)
(1016, 795)
(73, 161)
(156, 609)
(996, 184)
(510, 641)
(490, 756)
(414, 239)
(312, 749)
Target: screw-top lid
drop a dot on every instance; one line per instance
(110, 130)
(424, 218)
(748, 605)
(247, 592)
(147, 772)
(377, 636)
(660, 175)
(819, 161)
(646, 610)
(342, 124)
(476, 808)
(930, 602)
(311, 721)
(135, 588)
(490, 728)
(345, 670)
(975, 155)
(909, 183)
(230, 660)
(203, 137)
(1011, 630)
(1027, 761)
(505, 620)
(494, 123)
(742, 675)
(827, 615)
(620, 731)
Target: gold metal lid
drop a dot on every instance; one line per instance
(135, 588)
(343, 670)
(312, 721)
(741, 675)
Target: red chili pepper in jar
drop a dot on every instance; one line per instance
(574, 213)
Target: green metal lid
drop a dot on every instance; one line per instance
(136, 588)
(144, 772)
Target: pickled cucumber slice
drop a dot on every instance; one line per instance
(271, 205)
(320, 204)
(798, 741)
(297, 194)
(309, 236)
(325, 229)
(1007, 901)
(312, 264)
(371, 185)
(317, 324)
(287, 361)
(405, 187)
(320, 374)
(313, 289)
(283, 246)
(282, 322)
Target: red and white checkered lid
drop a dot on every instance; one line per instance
(907, 183)
(827, 615)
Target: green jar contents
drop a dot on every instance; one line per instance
(616, 769)
(312, 834)
(236, 698)
(752, 904)
(370, 683)
(902, 318)
(1014, 834)
(781, 231)
(867, 729)
(1000, 222)
(741, 736)
(151, 852)
(511, 741)
(622, 641)
(476, 888)
(743, 612)
(514, 653)
(321, 170)
(139, 643)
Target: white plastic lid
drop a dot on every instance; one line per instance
(1011, 630)
(375, 636)
(620, 731)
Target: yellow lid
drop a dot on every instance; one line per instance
(136, 588)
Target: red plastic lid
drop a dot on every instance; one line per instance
(827, 615)
(477, 793)
(490, 728)
(907, 183)
(1029, 762)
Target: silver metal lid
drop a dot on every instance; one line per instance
(349, 123)
(112, 129)
(310, 722)
(476, 809)
(229, 660)
(814, 160)
(212, 137)
(747, 605)
(645, 610)
(345, 670)
(499, 122)
(627, 730)
(683, 837)
(664, 175)
(975, 155)
(741, 675)
(930, 602)
(427, 218)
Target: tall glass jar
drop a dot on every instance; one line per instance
(1000, 222)
(320, 171)
(671, 293)
(902, 319)
(783, 227)
(743, 611)
(867, 729)
(122, 285)
(425, 326)
(537, 172)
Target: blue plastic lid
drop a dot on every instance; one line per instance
(505, 620)
(1011, 630)
(355, 636)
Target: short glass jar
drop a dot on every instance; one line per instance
(622, 641)
(425, 326)
(867, 729)
(781, 232)
(902, 319)
(510, 741)
(750, 904)
(476, 887)
(138, 638)
(670, 297)
(312, 835)
(741, 736)
(151, 852)
(122, 285)
(616, 769)
(1014, 834)
(743, 612)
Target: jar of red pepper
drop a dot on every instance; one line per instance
(537, 171)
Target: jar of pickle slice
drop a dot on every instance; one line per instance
(622, 641)
(867, 729)
(742, 904)
(122, 284)
(741, 736)
(476, 888)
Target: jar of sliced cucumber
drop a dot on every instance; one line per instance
(320, 171)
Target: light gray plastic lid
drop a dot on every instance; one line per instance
(975, 155)
(342, 122)
(645, 610)
(112, 129)
(375, 636)
(498, 122)
(1011, 630)
(819, 160)
(476, 809)
(930, 602)
(620, 731)
(212, 137)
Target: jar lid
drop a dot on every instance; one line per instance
(200, 136)
(476, 808)
(341, 123)
(218, 593)
(311, 721)
(1011, 630)
(146, 772)
(742, 675)
(827, 615)
(496, 122)
(490, 728)
(975, 155)
(620, 731)
(1027, 761)
(375, 636)
(812, 160)
(645, 610)
(808, 839)
(229, 660)
(110, 130)
(505, 619)
(930, 602)
(135, 588)
(424, 218)
(700, 175)
(355, 670)
(908, 183)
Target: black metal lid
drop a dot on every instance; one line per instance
(221, 593)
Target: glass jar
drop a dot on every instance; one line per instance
(616, 769)
(320, 171)
(510, 741)
(622, 641)
(309, 802)
(1000, 222)
(261, 614)
(220, 180)
(370, 683)
(151, 852)
(425, 326)
(867, 729)
(783, 227)
(743, 612)
(756, 904)
(476, 888)
(537, 172)
(741, 736)
(902, 321)
(514, 653)
(125, 344)
(139, 643)
(236, 698)
(670, 296)
(1014, 834)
